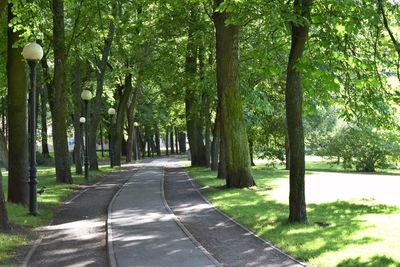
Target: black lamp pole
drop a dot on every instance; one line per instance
(32, 140)
(111, 142)
(86, 142)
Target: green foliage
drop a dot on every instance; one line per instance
(365, 148)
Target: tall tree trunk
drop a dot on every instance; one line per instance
(132, 138)
(43, 113)
(61, 153)
(233, 128)
(193, 117)
(182, 142)
(251, 148)
(176, 142)
(215, 143)
(17, 120)
(294, 110)
(97, 102)
(119, 129)
(166, 143)
(77, 106)
(171, 140)
(207, 130)
(101, 138)
(157, 137)
(222, 174)
(4, 225)
(287, 153)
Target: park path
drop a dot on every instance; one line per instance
(141, 229)
(77, 235)
(230, 243)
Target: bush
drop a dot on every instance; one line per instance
(363, 148)
(44, 160)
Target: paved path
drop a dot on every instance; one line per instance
(142, 232)
(77, 235)
(227, 241)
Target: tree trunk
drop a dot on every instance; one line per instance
(251, 147)
(215, 144)
(166, 143)
(61, 153)
(207, 116)
(294, 110)
(17, 120)
(171, 138)
(101, 139)
(192, 96)
(233, 128)
(77, 106)
(43, 113)
(182, 142)
(222, 174)
(176, 142)
(132, 139)
(3, 151)
(158, 147)
(287, 154)
(4, 225)
(122, 106)
(97, 102)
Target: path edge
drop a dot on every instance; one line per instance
(183, 228)
(111, 259)
(39, 240)
(239, 224)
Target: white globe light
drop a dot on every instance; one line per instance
(32, 52)
(86, 95)
(135, 124)
(111, 111)
(82, 119)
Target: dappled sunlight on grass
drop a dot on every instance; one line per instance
(360, 231)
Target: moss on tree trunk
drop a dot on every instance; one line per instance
(233, 128)
(61, 152)
(17, 120)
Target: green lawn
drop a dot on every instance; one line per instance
(47, 204)
(362, 232)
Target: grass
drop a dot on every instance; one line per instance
(47, 206)
(361, 232)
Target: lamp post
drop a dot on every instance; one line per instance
(136, 125)
(82, 120)
(111, 112)
(86, 95)
(32, 53)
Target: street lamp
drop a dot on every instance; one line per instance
(136, 125)
(111, 112)
(32, 53)
(86, 95)
(82, 120)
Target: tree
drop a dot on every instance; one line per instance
(4, 225)
(61, 153)
(233, 129)
(17, 118)
(97, 102)
(294, 111)
(193, 119)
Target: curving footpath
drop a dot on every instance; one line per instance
(141, 229)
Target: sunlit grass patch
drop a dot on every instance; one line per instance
(361, 232)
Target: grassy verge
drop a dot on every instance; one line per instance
(47, 204)
(361, 232)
